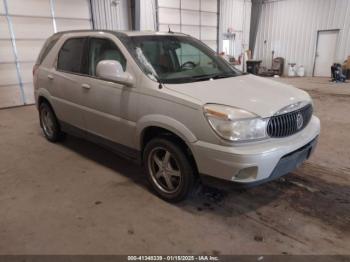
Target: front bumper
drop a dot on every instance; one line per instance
(258, 162)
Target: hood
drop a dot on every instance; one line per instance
(261, 96)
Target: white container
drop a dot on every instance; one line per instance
(301, 71)
(291, 70)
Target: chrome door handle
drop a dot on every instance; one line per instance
(85, 86)
(50, 77)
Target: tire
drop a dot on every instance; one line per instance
(49, 123)
(168, 169)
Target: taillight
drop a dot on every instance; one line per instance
(35, 67)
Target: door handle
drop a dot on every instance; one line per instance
(50, 77)
(85, 86)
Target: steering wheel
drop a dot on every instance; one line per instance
(188, 65)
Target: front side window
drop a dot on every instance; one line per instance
(103, 49)
(178, 59)
(70, 58)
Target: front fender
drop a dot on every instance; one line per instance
(165, 122)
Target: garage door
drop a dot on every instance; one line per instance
(24, 26)
(198, 18)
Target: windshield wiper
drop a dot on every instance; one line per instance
(208, 77)
(223, 76)
(197, 78)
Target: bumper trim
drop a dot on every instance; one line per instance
(285, 165)
(291, 161)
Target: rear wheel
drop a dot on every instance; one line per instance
(49, 123)
(168, 170)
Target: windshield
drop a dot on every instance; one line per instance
(178, 59)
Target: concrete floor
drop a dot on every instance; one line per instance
(77, 198)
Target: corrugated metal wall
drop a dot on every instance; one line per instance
(110, 14)
(290, 28)
(148, 15)
(235, 14)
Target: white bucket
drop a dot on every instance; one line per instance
(301, 71)
(291, 70)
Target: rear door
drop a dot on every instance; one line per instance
(68, 81)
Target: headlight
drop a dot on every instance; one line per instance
(235, 124)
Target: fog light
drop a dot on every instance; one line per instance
(246, 173)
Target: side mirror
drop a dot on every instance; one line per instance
(113, 71)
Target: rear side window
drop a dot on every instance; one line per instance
(70, 57)
(49, 44)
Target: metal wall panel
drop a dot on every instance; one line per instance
(290, 29)
(235, 15)
(169, 3)
(198, 18)
(192, 5)
(148, 15)
(32, 28)
(71, 9)
(169, 16)
(37, 7)
(110, 14)
(24, 26)
(208, 5)
(2, 8)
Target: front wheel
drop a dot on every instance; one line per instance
(168, 170)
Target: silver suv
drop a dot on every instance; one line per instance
(168, 101)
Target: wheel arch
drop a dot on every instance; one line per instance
(42, 99)
(42, 95)
(166, 124)
(162, 126)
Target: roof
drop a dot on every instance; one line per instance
(143, 33)
(122, 33)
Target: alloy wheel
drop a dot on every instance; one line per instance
(47, 122)
(164, 170)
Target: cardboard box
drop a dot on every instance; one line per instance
(347, 64)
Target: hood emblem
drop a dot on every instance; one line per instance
(300, 121)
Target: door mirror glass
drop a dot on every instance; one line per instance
(113, 71)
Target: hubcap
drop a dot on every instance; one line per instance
(47, 122)
(164, 170)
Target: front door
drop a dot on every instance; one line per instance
(325, 52)
(107, 105)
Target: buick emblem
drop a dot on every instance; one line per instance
(300, 121)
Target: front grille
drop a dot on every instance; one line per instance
(289, 123)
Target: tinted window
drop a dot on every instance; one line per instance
(49, 44)
(70, 58)
(103, 49)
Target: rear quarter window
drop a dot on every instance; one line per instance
(48, 45)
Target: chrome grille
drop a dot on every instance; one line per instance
(289, 123)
